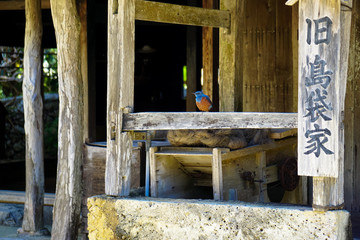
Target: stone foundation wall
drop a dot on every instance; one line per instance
(148, 218)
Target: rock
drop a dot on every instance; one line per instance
(11, 215)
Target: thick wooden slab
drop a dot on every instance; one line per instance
(320, 89)
(202, 120)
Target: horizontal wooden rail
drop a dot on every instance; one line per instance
(202, 120)
(9, 196)
(20, 5)
(178, 14)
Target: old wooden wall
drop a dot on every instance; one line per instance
(352, 118)
(267, 56)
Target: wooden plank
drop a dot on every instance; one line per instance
(20, 5)
(208, 54)
(230, 59)
(271, 174)
(120, 95)
(191, 67)
(84, 65)
(153, 177)
(18, 197)
(291, 2)
(179, 14)
(295, 54)
(202, 120)
(196, 171)
(254, 149)
(328, 192)
(217, 178)
(260, 175)
(320, 143)
(282, 133)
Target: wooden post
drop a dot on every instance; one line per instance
(217, 179)
(191, 64)
(230, 59)
(208, 55)
(261, 164)
(323, 53)
(120, 96)
(67, 206)
(84, 65)
(352, 118)
(33, 222)
(153, 177)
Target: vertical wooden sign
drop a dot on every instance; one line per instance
(320, 145)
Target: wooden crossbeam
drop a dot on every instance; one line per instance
(8, 196)
(20, 5)
(347, 3)
(201, 120)
(178, 14)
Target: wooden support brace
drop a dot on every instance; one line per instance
(217, 178)
(153, 181)
(260, 176)
(121, 58)
(231, 59)
(178, 14)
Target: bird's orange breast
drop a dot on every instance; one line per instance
(204, 105)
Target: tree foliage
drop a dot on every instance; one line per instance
(11, 71)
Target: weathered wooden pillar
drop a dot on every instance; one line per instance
(120, 96)
(323, 52)
(33, 222)
(191, 64)
(352, 117)
(67, 204)
(208, 54)
(230, 59)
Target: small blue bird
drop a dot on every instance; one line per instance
(203, 101)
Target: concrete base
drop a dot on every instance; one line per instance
(150, 218)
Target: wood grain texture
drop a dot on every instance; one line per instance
(33, 114)
(217, 175)
(67, 204)
(201, 120)
(120, 95)
(179, 14)
(20, 5)
(325, 164)
(230, 59)
(328, 193)
(208, 55)
(351, 122)
(18, 197)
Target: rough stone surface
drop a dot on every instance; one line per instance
(12, 215)
(149, 218)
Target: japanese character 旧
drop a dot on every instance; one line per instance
(203, 101)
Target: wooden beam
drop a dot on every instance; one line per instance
(20, 5)
(33, 115)
(18, 197)
(208, 54)
(291, 2)
(120, 95)
(202, 120)
(328, 192)
(67, 207)
(231, 59)
(217, 176)
(178, 14)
